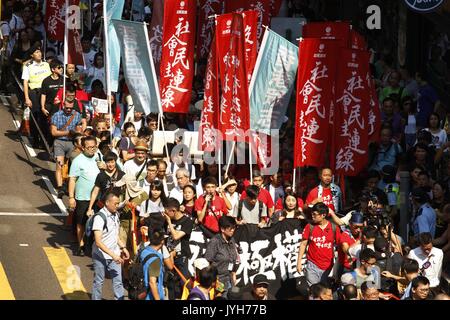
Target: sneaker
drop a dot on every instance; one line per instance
(61, 193)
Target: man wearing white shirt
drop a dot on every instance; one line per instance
(429, 259)
(137, 166)
(182, 176)
(274, 187)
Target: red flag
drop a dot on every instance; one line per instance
(54, 19)
(177, 63)
(351, 114)
(208, 121)
(262, 7)
(328, 30)
(234, 105)
(206, 27)
(155, 32)
(374, 110)
(75, 52)
(261, 148)
(357, 41)
(251, 39)
(315, 81)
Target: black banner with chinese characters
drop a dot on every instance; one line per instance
(272, 251)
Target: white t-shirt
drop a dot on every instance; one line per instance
(148, 206)
(88, 60)
(438, 139)
(433, 272)
(132, 168)
(177, 193)
(234, 199)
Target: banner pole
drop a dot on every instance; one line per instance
(220, 164)
(229, 158)
(66, 48)
(293, 180)
(250, 160)
(107, 62)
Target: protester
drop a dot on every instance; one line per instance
(260, 289)
(326, 192)
(108, 253)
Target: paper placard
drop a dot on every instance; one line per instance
(100, 105)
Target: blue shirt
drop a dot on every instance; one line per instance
(160, 282)
(427, 97)
(425, 220)
(86, 170)
(60, 118)
(386, 156)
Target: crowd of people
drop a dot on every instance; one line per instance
(130, 207)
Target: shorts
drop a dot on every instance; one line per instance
(80, 212)
(63, 148)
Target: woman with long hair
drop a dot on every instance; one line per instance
(155, 203)
(290, 210)
(188, 204)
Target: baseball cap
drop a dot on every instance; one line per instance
(357, 217)
(260, 278)
(201, 263)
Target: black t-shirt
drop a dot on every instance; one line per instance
(50, 88)
(186, 225)
(104, 182)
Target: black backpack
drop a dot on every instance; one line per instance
(136, 286)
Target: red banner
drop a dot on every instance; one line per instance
(357, 41)
(205, 26)
(54, 19)
(315, 81)
(264, 8)
(177, 63)
(328, 30)
(155, 32)
(208, 121)
(351, 114)
(234, 104)
(374, 111)
(75, 52)
(251, 39)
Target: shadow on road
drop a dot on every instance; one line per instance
(77, 295)
(59, 235)
(12, 135)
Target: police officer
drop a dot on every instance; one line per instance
(425, 218)
(33, 73)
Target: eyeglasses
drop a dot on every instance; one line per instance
(151, 170)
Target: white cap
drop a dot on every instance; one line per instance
(347, 278)
(201, 263)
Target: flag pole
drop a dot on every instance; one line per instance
(293, 179)
(66, 48)
(219, 160)
(107, 62)
(229, 158)
(158, 96)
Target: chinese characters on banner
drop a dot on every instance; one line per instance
(208, 121)
(374, 111)
(250, 19)
(351, 114)
(177, 62)
(234, 104)
(264, 9)
(205, 27)
(328, 30)
(73, 24)
(155, 32)
(54, 19)
(315, 81)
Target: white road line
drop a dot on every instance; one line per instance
(33, 214)
(26, 141)
(4, 100)
(52, 190)
(23, 245)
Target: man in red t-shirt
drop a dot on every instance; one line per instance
(264, 195)
(210, 207)
(349, 238)
(326, 192)
(320, 238)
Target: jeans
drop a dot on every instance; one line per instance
(101, 265)
(314, 274)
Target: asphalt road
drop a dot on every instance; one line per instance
(36, 252)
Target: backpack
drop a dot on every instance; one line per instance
(333, 226)
(90, 224)
(136, 285)
(241, 204)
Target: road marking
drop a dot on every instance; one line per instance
(4, 101)
(66, 273)
(23, 244)
(26, 141)
(6, 292)
(33, 214)
(52, 190)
